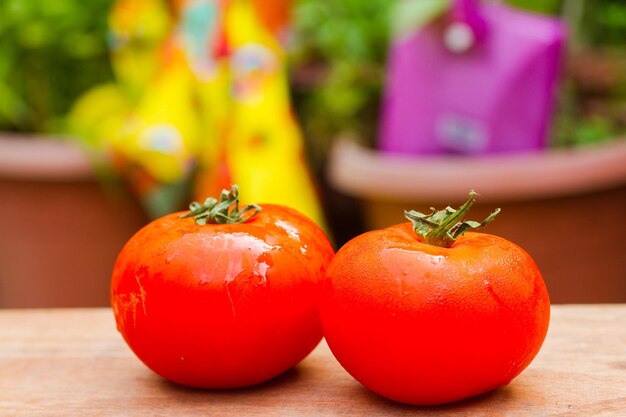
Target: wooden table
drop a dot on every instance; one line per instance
(74, 363)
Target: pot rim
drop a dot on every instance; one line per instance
(43, 158)
(366, 173)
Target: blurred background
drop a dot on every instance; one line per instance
(114, 112)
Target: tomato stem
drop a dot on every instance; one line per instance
(222, 211)
(443, 227)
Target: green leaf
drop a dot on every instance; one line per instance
(224, 211)
(443, 227)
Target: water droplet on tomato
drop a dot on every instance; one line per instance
(260, 270)
(292, 232)
(204, 279)
(436, 260)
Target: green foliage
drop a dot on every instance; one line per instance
(539, 6)
(604, 23)
(50, 52)
(338, 57)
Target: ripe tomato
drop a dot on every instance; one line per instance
(425, 324)
(222, 305)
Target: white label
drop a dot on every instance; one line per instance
(459, 37)
(461, 133)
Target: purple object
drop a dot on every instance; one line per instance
(483, 80)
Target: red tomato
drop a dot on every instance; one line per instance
(424, 324)
(222, 305)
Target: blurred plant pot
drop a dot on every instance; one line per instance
(60, 231)
(567, 208)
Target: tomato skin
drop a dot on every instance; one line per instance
(221, 306)
(425, 325)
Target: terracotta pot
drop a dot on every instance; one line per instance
(60, 231)
(567, 208)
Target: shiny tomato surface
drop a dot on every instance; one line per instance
(219, 306)
(424, 324)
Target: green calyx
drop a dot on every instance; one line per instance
(222, 211)
(443, 227)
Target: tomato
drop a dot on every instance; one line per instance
(426, 324)
(222, 305)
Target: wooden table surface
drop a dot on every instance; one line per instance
(74, 363)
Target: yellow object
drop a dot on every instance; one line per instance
(202, 87)
(199, 36)
(97, 116)
(137, 31)
(161, 135)
(263, 148)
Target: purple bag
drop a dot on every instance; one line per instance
(480, 80)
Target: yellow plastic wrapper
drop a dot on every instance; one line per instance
(201, 98)
(137, 30)
(261, 149)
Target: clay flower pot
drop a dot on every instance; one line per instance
(59, 230)
(567, 208)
